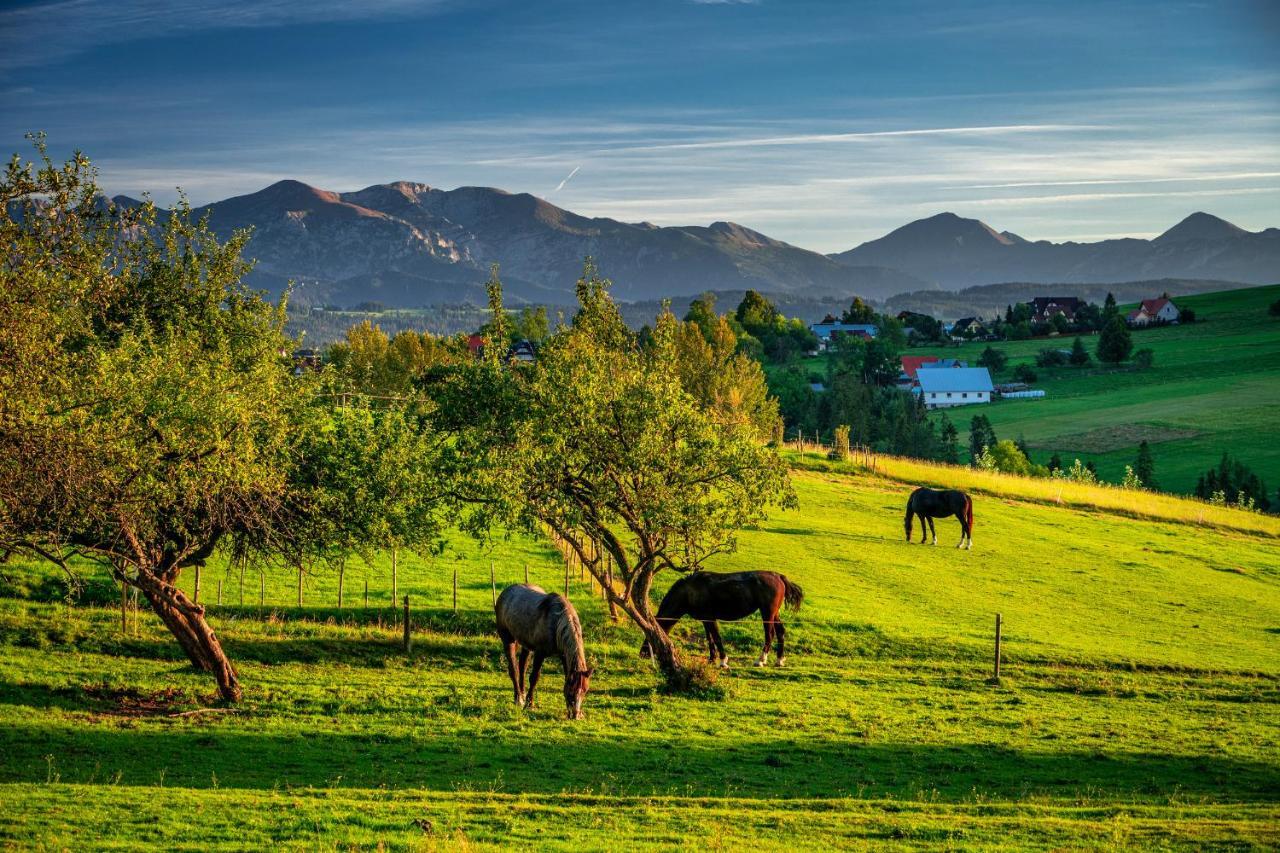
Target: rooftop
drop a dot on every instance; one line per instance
(956, 379)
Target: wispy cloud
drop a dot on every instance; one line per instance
(1239, 176)
(38, 33)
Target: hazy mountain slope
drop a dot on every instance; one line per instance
(953, 252)
(407, 244)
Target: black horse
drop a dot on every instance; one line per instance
(930, 504)
(709, 596)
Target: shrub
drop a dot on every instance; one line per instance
(1114, 343)
(1077, 473)
(1079, 355)
(1024, 373)
(993, 359)
(1274, 310)
(1051, 358)
(1144, 358)
(842, 442)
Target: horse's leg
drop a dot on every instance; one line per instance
(933, 531)
(534, 672)
(715, 635)
(517, 683)
(780, 631)
(924, 523)
(711, 643)
(964, 530)
(768, 637)
(522, 667)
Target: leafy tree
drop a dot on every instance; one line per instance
(1114, 342)
(993, 359)
(858, 312)
(531, 325)
(1019, 331)
(1144, 467)
(146, 412)
(1088, 317)
(1055, 463)
(981, 435)
(702, 313)
(1021, 313)
(600, 443)
(1144, 359)
(1059, 323)
(1024, 373)
(1079, 355)
(1007, 457)
(950, 441)
(756, 312)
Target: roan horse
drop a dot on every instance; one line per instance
(543, 624)
(930, 504)
(709, 596)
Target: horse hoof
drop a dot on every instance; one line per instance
(724, 664)
(781, 662)
(761, 662)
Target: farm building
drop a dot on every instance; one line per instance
(913, 363)
(962, 386)
(1160, 310)
(523, 351)
(830, 328)
(1044, 307)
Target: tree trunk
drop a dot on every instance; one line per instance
(185, 620)
(665, 654)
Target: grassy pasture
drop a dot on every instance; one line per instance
(1215, 386)
(1139, 707)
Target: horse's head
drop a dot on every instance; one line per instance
(576, 686)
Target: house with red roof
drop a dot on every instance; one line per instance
(1160, 310)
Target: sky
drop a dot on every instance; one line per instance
(824, 124)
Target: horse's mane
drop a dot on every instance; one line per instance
(568, 630)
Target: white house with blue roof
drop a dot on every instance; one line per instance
(959, 386)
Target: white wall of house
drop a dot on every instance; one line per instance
(945, 399)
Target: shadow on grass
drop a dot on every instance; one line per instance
(560, 757)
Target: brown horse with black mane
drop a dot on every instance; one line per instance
(711, 596)
(930, 504)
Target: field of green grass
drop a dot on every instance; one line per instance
(1140, 704)
(1215, 387)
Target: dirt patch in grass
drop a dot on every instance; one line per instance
(130, 702)
(1117, 437)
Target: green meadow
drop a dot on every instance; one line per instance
(1139, 706)
(1215, 387)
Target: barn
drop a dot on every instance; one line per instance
(960, 386)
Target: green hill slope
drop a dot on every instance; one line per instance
(1215, 387)
(1139, 706)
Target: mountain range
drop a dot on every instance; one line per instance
(408, 245)
(951, 252)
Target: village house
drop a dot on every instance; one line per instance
(962, 386)
(968, 328)
(523, 352)
(913, 363)
(306, 360)
(1160, 310)
(1044, 307)
(830, 327)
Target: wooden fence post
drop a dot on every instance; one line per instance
(526, 574)
(996, 673)
(408, 635)
(493, 585)
(366, 593)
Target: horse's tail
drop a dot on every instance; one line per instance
(794, 595)
(968, 511)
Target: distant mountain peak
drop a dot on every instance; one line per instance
(1201, 226)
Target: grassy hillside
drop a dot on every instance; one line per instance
(1139, 706)
(1215, 387)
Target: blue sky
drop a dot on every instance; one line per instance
(821, 123)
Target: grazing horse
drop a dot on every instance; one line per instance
(709, 596)
(930, 504)
(543, 624)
